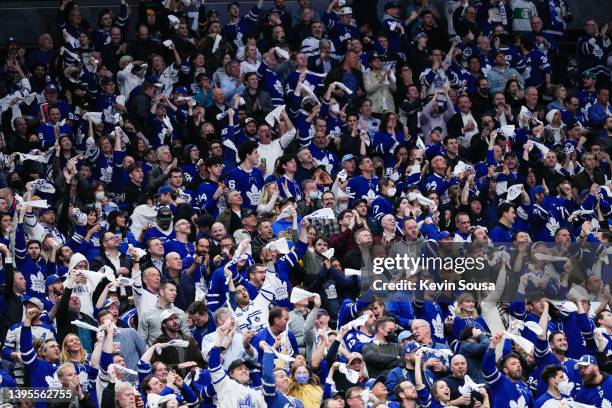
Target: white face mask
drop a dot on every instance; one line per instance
(99, 195)
(314, 195)
(391, 191)
(565, 387)
(334, 108)
(342, 206)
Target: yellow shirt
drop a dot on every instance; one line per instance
(310, 395)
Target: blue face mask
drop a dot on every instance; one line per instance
(302, 378)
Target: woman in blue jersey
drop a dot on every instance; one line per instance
(467, 315)
(86, 236)
(191, 158)
(387, 139)
(73, 352)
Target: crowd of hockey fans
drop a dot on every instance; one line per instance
(192, 207)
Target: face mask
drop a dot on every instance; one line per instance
(334, 108)
(314, 195)
(302, 378)
(565, 387)
(342, 206)
(391, 337)
(391, 192)
(99, 195)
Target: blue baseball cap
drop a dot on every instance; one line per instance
(347, 157)
(406, 334)
(418, 35)
(585, 361)
(164, 190)
(538, 189)
(51, 88)
(33, 300)
(411, 347)
(373, 381)
(181, 90)
(53, 279)
(108, 303)
(444, 235)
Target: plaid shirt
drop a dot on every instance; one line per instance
(325, 227)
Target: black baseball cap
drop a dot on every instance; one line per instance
(238, 362)
(392, 4)
(247, 213)
(164, 213)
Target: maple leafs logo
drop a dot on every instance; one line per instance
(38, 282)
(331, 292)
(325, 162)
(246, 402)
(281, 292)
(438, 327)
(53, 382)
(278, 87)
(520, 403)
(605, 403)
(106, 174)
(552, 225)
(254, 195)
(370, 196)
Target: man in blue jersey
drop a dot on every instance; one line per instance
(247, 177)
(210, 191)
(596, 385)
(507, 387)
(557, 386)
(503, 232)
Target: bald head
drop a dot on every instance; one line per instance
(174, 262)
(218, 231)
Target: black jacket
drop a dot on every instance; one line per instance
(265, 104)
(13, 308)
(176, 355)
(133, 194)
(64, 317)
(139, 106)
(316, 65)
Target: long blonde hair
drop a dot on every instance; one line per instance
(66, 357)
(465, 297)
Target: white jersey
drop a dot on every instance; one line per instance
(13, 338)
(310, 46)
(143, 299)
(254, 316)
(231, 394)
